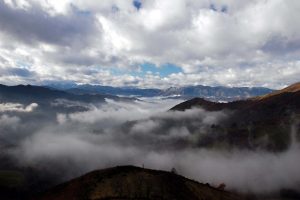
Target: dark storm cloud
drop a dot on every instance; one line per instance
(34, 25)
(16, 71)
(282, 46)
(20, 72)
(80, 57)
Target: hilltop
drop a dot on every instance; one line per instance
(128, 182)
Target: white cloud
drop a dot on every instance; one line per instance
(8, 121)
(103, 137)
(16, 107)
(120, 112)
(83, 40)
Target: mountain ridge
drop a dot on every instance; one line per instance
(30, 93)
(130, 182)
(292, 88)
(214, 93)
(261, 122)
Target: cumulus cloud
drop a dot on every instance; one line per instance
(16, 107)
(220, 42)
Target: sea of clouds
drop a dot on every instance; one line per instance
(141, 133)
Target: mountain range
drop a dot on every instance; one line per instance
(218, 93)
(39, 94)
(269, 122)
(97, 93)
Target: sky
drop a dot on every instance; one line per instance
(150, 43)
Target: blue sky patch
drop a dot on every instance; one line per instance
(146, 68)
(224, 9)
(213, 7)
(137, 4)
(20, 72)
(163, 70)
(80, 11)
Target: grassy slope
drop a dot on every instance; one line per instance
(135, 183)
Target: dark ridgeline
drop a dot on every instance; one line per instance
(134, 183)
(252, 119)
(28, 94)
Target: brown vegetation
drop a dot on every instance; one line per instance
(130, 182)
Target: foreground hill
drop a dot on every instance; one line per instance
(255, 122)
(130, 182)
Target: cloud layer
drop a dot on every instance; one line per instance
(142, 133)
(225, 42)
(16, 107)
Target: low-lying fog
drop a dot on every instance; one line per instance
(142, 134)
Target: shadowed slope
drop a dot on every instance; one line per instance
(260, 122)
(130, 182)
(282, 100)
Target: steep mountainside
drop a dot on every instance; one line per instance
(287, 98)
(262, 121)
(130, 182)
(292, 88)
